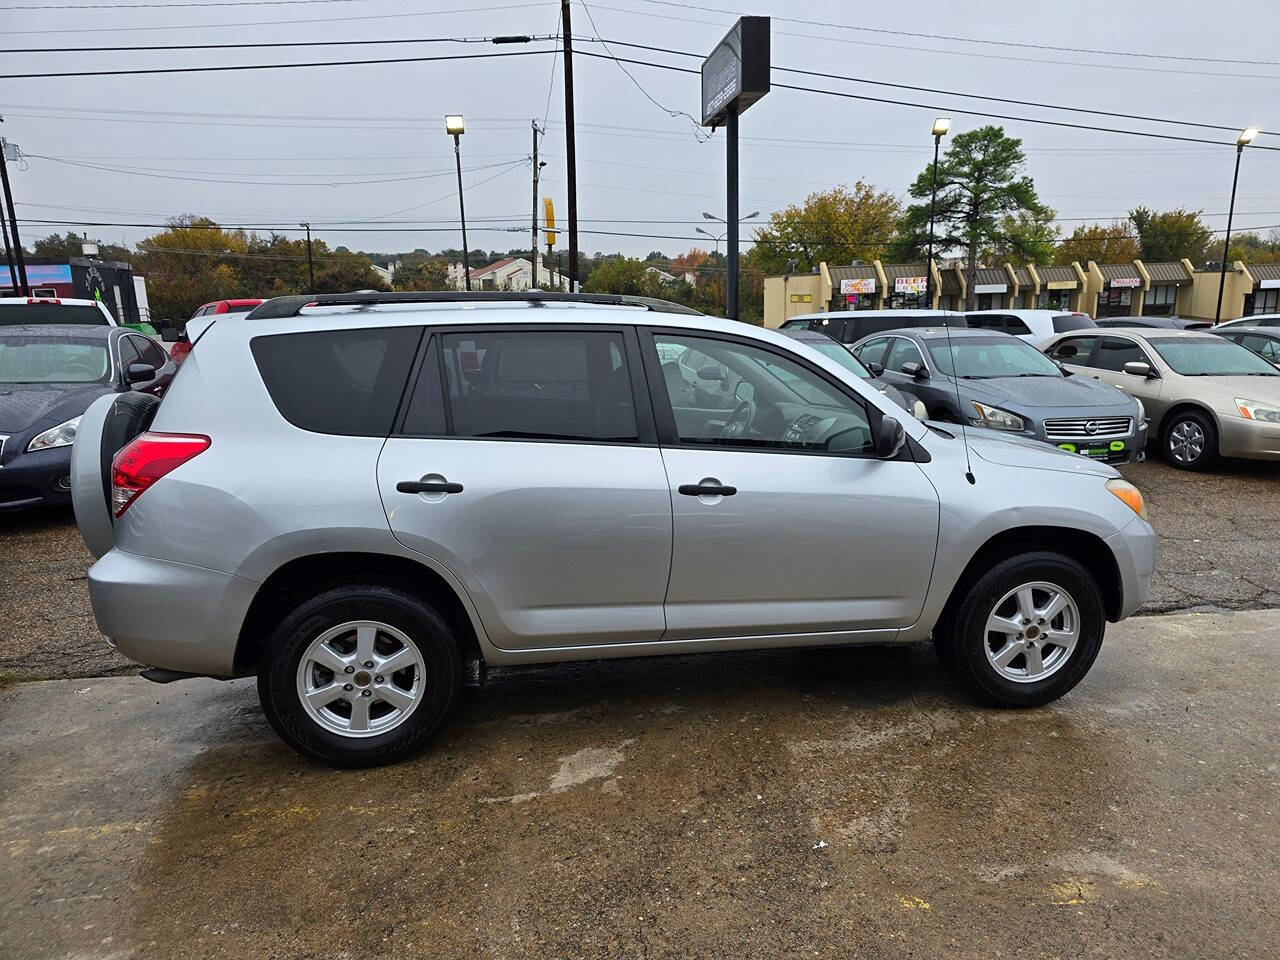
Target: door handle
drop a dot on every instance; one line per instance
(707, 489)
(428, 486)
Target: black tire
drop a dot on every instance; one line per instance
(424, 628)
(961, 638)
(1190, 420)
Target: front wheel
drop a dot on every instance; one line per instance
(1025, 632)
(359, 675)
(1191, 441)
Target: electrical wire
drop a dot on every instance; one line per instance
(263, 45)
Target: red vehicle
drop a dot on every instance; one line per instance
(182, 346)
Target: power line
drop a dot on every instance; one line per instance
(158, 6)
(139, 48)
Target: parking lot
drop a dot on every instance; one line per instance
(788, 803)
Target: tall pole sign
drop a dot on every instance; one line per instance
(734, 76)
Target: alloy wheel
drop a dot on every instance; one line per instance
(1186, 441)
(361, 678)
(1031, 632)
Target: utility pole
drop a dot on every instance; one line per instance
(570, 149)
(8, 254)
(311, 270)
(533, 282)
(731, 214)
(21, 287)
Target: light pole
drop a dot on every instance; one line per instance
(940, 128)
(455, 127)
(729, 274)
(311, 270)
(1242, 141)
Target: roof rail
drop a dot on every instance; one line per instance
(291, 306)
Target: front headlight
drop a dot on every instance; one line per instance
(1253, 410)
(1130, 494)
(63, 435)
(997, 419)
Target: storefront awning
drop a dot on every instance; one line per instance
(1120, 275)
(1266, 275)
(1164, 274)
(1058, 278)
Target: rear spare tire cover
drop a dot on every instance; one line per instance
(109, 423)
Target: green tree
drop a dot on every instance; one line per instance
(70, 244)
(191, 262)
(1028, 237)
(1172, 235)
(1112, 242)
(420, 273)
(1251, 247)
(833, 226)
(624, 275)
(346, 272)
(980, 187)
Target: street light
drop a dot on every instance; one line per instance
(940, 128)
(1242, 141)
(455, 127)
(311, 270)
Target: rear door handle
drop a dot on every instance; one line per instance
(707, 488)
(428, 486)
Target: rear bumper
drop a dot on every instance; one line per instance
(1250, 439)
(170, 615)
(1134, 549)
(30, 479)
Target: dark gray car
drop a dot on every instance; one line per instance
(841, 354)
(1005, 384)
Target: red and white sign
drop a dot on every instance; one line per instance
(908, 284)
(1126, 282)
(865, 285)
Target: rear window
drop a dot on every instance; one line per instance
(338, 381)
(1063, 322)
(16, 314)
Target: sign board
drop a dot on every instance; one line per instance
(802, 298)
(865, 285)
(1126, 282)
(1061, 285)
(736, 73)
(990, 288)
(908, 284)
(1262, 285)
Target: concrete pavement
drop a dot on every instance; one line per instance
(782, 804)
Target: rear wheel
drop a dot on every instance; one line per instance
(1191, 440)
(1025, 632)
(359, 675)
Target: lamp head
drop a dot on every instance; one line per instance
(941, 126)
(454, 124)
(1246, 136)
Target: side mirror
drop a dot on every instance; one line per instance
(711, 373)
(916, 370)
(875, 369)
(1136, 368)
(140, 373)
(889, 438)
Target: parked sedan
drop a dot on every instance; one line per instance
(840, 354)
(1254, 320)
(49, 374)
(996, 380)
(1206, 396)
(1163, 323)
(1264, 341)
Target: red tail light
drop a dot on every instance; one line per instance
(147, 458)
(178, 352)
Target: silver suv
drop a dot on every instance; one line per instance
(362, 499)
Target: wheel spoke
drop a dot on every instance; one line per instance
(1026, 603)
(365, 635)
(360, 714)
(395, 696)
(1035, 663)
(1007, 653)
(1062, 638)
(329, 658)
(325, 695)
(404, 657)
(1054, 607)
(999, 624)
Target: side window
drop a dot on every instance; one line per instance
(1114, 352)
(873, 351)
(984, 321)
(128, 353)
(572, 385)
(151, 352)
(1264, 347)
(338, 381)
(1015, 325)
(1074, 350)
(780, 404)
(903, 351)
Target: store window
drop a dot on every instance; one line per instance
(987, 301)
(1159, 301)
(1115, 302)
(1266, 301)
(1054, 300)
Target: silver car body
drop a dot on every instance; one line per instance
(568, 550)
(1165, 391)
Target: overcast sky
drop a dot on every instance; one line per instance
(302, 130)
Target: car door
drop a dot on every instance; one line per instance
(785, 521)
(1111, 353)
(525, 465)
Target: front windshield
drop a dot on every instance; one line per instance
(1210, 357)
(981, 358)
(33, 359)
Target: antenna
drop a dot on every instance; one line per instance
(955, 382)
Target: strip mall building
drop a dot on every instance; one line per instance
(1110, 290)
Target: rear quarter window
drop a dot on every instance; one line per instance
(1071, 321)
(345, 382)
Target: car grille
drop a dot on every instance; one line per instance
(1078, 428)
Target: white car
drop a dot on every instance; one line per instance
(1256, 320)
(22, 311)
(1033, 326)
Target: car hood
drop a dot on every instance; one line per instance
(23, 405)
(1015, 451)
(1073, 391)
(1247, 388)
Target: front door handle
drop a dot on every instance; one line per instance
(428, 486)
(707, 488)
